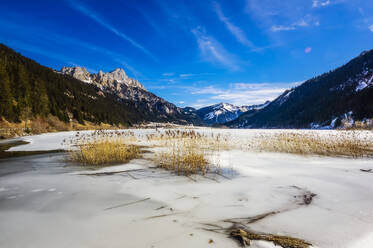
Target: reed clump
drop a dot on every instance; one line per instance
(213, 141)
(187, 152)
(104, 151)
(341, 143)
(184, 158)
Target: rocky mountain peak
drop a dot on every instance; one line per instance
(115, 79)
(119, 73)
(77, 72)
(116, 75)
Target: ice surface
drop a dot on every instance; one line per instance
(47, 202)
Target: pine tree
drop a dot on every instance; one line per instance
(22, 87)
(6, 100)
(39, 99)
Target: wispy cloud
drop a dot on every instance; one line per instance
(371, 28)
(118, 58)
(278, 28)
(318, 3)
(236, 31)
(168, 74)
(48, 39)
(150, 21)
(241, 93)
(211, 50)
(208, 90)
(78, 6)
(195, 75)
(186, 75)
(279, 15)
(299, 24)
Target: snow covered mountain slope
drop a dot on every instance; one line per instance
(224, 112)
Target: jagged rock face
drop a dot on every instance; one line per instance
(118, 83)
(116, 79)
(77, 72)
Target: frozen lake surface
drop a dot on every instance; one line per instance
(45, 201)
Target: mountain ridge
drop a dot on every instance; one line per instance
(334, 99)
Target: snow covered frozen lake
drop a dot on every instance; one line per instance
(45, 201)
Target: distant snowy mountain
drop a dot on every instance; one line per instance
(224, 112)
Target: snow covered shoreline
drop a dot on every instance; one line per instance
(91, 211)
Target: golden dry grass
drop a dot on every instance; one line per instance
(183, 157)
(187, 152)
(213, 141)
(49, 124)
(342, 143)
(184, 152)
(104, 151)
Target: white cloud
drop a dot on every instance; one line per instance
(371, 28)
(85, 45)
(91, 14)
(280, 15)
(194, 75)
(186, 75)
(46, 35)
(242, 93)
(150, 21)
(236, 31)
(209, 90)
(318, 3)
(168, 74)
(305, 22)
(212, 51)
(278, 28)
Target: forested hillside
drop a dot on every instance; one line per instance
(30, 90)
(337, 98)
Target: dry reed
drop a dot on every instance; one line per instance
(344, 144)
(183, 157)
(187, 152)
(104, 151)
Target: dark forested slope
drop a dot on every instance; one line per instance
(326, 100)
(29, 90)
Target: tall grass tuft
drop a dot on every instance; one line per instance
(104, 151)
(185, 157)
(343, 144)
(187, 152)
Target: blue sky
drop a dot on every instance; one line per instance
(194, 53)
